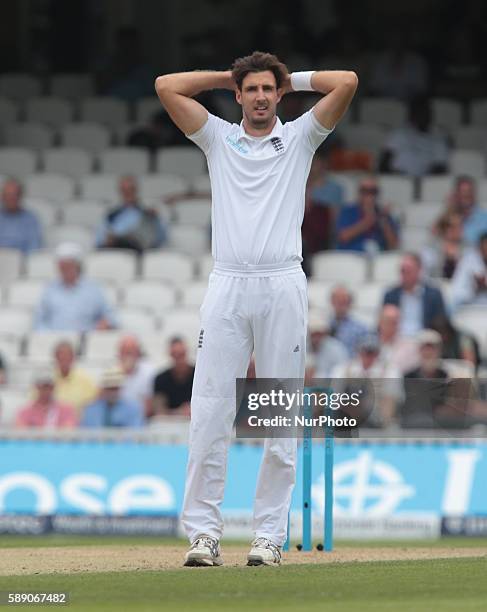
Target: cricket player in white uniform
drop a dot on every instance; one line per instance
(256, 299)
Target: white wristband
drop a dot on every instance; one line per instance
(301, 81)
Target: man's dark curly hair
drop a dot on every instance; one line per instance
(258, 62)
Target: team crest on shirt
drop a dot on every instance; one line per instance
(278, 145)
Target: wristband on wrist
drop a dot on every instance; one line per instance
(301, 81)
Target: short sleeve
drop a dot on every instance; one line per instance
(206, 135)
(310, 130)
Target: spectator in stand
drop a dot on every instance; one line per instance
(366, 226)
(418, 302)
(381, 375)
(19, 228)
(329, 354)
(440, 258)
(130, 225)
(45, 410)
(73, 302)
(416, 149)
(138, 374)
(401, 352)
(398, 72)
(424, 392)
(463, 201)
(73, 385)
(469, 283)
(345, 328)
(172, 387)
(110, 409)
(456, 344)
(3, 371)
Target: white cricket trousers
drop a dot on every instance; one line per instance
(250, 308)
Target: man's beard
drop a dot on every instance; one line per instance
(260, 123)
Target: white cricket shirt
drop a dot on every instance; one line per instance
(258, 187)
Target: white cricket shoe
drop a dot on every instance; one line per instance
(204, 551)
(264, 552)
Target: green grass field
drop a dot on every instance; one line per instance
(431, 585)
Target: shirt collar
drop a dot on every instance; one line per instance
(276, 132)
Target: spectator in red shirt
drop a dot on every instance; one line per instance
(45, 411)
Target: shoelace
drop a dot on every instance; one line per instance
(211, 543)
(265, 543)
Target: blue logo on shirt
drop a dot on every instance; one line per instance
(236, 145)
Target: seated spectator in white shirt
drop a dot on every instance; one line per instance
(73, 302)
(385, 379)
(416, 149)
(401, 352)
(138, 374)
(19, 228)
(469, 283)
(130, 225)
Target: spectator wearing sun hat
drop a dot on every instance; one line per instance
(45, 410)
(110, 410)
(73, 302)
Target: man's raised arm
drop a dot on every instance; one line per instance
(339, 87)
(175, 92)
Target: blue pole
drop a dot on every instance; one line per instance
(328, 514)
(285, 548)
(307, 455)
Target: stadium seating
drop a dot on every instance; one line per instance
(385, 112)
(102, 187)
(52, 111)
(87, 213)
(19, 86)
(55, 187)
(319, 294)
(467, 162)
(70, 161)
(175, 268)
(340, 267)
(57, 234)
(436, 188)
(10, 402)
(385, 267)
(35, 136)
(25, 293)
(187, 162)
(41, 264)
(447, 114)
(192, 295)
(473, 137)
(124, 160)
(472, 319)
(195, 211)
(138, 321)
(111, 265)
(72, 86)
(10, 265)
(150, 295)
(146, 108)
(15, 321)
(17, 161)
(90, 137)
(107, 111)
(8, 111)
(478, 112)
